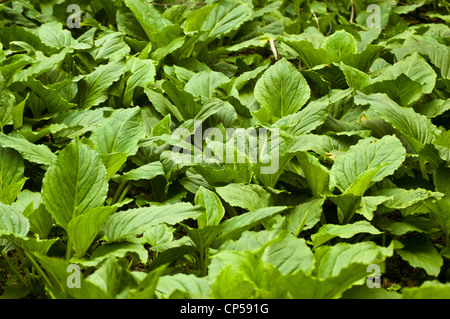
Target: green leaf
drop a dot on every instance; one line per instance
(304, 216)
(83, 228)
(246, 196)
(420, 252)
(331, 260)
(113, 278)
(317, 175)
(117, 250)
(282, 89)
(402, 89)
(110, 45)
(340, 44)
(190, 285)
(56, 270)
(11, 173)
(144, 172)
(330, 231)
(34, 153)
(142, 73)
(304, 286)
(119, 133)
(93, 89)
(214, 210)
(428, 290)
(53, 35)
(289, 255)
(309, 54)
(437, 52)
(233, 227)
(366, 155)
(242, 274)
(218, 19)
(74, 182)
(148, 17)
(12, 222)
(6, 104)
(415, 68)
(125, 224)
(204, 83)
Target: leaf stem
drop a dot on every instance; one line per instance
(119, 191)
(68, 249)
(13, 268)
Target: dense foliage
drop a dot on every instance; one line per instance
(346, 101)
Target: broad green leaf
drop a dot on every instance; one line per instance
(113, 162)
(56, 270)
(191, 286)
(41, 221)
(6, 104)
(331, 260)
(119, 133)
(93, 88)
(159, 237)
(74, 182)
(125, 224)
(113, 278)
(282, 89)
(34, 153)
(28, 244)
(402, 89)
(428, 290)
(340, 44)
(148, 17)
(289, 255)
(304, 286)
(317, 175)
(242, 274)
(110, 45)
(355, 78)
(330, 231)
(147, 287)
(219, 19)
(369, 204)
(214, 210)
(11, 173)
(53, 35)
(142, 73)
(247, 196)
(309, 54)
(307, 119)
(117, 250)
(420, 252)
(440, 210)
(233, 227)
(204, 83)
(438, 53)
(415, 68)
(12, 222)
(368, 154)
(402, 198)
(83, 228)
(304, 216)
(144, 172)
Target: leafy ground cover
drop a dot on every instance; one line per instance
(224, 149)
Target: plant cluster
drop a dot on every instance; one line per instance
(353, 97)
